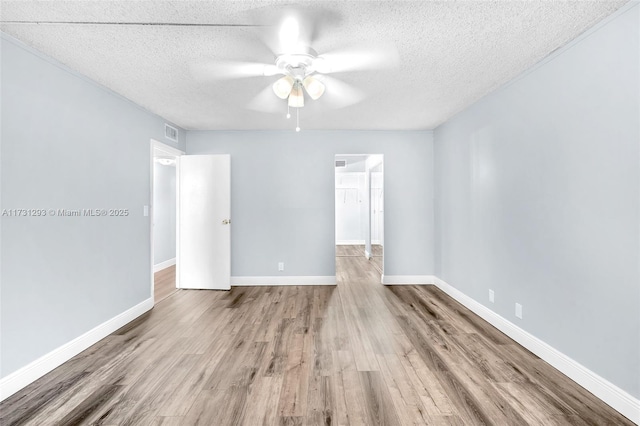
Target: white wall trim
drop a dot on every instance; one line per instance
(283, 280)
(349, 242)
(163, 265)
(407, 279)
(166, 148)
(367, 255)
(617, 398)
(41, 366)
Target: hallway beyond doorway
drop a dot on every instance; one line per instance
(358, 251)
(164, 283)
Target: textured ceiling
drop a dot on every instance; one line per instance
(451, 53)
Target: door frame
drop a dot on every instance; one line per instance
(367, 172)
(170, 151)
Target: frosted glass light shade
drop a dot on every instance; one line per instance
(315, 88)
(296, 98)
(283, 87)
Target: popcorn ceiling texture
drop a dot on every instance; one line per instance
(451, 54)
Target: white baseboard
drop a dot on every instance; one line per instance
(41, 366)
(283, 280)
(407, 279)
(376, 242)
(349, 242)
(162, 265)
(617, 398)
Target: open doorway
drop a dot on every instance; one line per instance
(163, 220)
(376, 197)
(359, 209)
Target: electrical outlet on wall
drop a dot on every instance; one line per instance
(280, 266)
(491, 296)
(519, 310)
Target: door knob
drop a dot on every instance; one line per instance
(226, 221)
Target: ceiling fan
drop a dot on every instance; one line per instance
(302, 71)
(298, 68)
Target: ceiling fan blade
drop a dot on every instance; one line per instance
(339, 94)
(288, 29)
(225, 70)
(358, 59)
(266, 101)
(323, 21)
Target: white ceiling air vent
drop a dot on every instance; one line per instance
(341, 163)
(170, 132)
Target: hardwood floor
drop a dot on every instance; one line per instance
(358, 353)
(349, 250)
(358, 250)
(376, 257)
(164, 283)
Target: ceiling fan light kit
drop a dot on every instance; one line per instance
(314, 87)
(282, 88)
(296, 97)
(298, 69)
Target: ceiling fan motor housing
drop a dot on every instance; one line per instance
(297, 65)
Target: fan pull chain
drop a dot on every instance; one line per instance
(288, 113)
(297, 119)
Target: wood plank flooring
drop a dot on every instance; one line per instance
(355, 354)
(164, 283)
(349, 250)
(376, 257)
(358, 250)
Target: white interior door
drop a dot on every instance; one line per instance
(204, 225)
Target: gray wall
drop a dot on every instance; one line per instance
(68, 143)
(282, 202)
(537, 190)
(164, 213)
